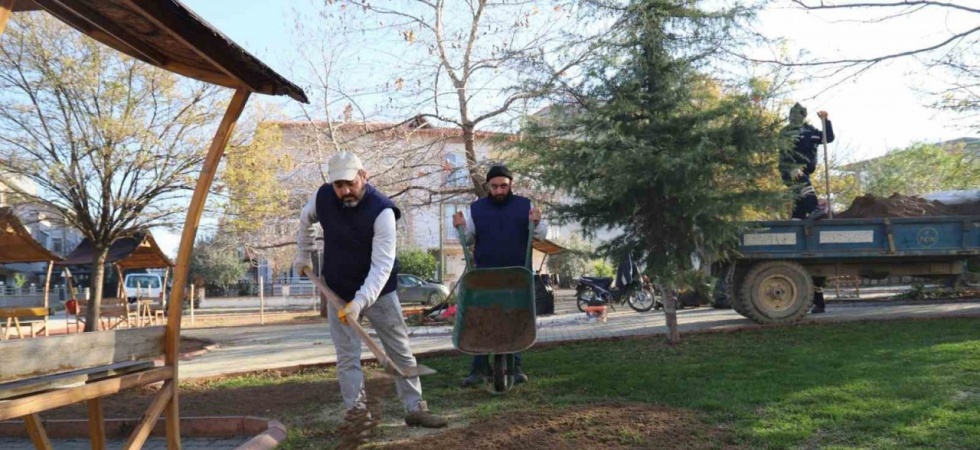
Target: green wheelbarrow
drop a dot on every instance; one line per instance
(495, 314)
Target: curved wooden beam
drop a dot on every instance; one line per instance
(6, 9)
(193, 220)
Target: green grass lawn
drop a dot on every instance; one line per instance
(900, 384)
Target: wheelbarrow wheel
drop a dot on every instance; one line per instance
(502, 369)
(499, 373)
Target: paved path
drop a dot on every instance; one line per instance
(245, 349)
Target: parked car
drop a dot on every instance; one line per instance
(413, 289)
(147, 285)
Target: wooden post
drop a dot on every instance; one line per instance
(6, 9)
(120, 290)
(163, 290)
(261, 301)
(670, 316)
(47, 297)
(192, 221)
(35, 428)
(96, 424)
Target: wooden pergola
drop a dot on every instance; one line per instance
(50, 372)
(18, 246)
(135, 252)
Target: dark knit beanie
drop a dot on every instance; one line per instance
(499, 171)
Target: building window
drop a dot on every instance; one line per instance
(457, 175)
(57, 246)
(42, 238)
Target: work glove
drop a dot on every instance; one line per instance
(303, 263)
(350, 313)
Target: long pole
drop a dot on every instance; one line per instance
(826, 168)
(442, 232)
(261, 301)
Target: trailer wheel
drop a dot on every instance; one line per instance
(733, 291)
(775, 292)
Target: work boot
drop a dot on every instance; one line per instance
(357, 428)
(473, 379)
(519, 376)
(817, 309)
(425, 419)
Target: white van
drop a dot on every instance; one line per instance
(145, 285)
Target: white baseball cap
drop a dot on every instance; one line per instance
(343, 166)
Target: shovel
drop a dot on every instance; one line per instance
(390, 367)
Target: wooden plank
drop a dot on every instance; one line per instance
(142, 431)
(35, 428)
(87, 20)
(38, 384)
(11, 409)
(56, 354)
(23, 312)
(192, 36)
(96, 424)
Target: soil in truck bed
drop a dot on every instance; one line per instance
(898, 205)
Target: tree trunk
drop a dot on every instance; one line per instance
(670, 315)
(92, 314)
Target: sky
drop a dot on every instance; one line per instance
(880, 110)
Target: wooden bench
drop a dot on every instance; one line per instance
(82, 368)
(10, 319)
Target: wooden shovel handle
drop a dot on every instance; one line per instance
(338, 304)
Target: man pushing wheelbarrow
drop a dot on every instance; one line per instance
(499, 285)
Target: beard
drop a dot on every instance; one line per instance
(351, 200)
(498, 199)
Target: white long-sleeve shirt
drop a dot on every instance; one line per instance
(382, 249)
(540, 230)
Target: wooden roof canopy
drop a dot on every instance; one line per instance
(547, 247)
(16, 243)
(137, 252)
(166, 34)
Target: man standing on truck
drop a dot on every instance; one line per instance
(499, 225)
(797, 164)
(359, 265)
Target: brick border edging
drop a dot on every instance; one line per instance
(267, 433)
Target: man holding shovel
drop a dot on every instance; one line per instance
(359, 265)
(796, 165)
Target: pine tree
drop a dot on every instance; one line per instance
(654, 147)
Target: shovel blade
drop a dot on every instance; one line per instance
(409, 372)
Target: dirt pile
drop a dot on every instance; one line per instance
(606, 426)
(487, 328)
(898, 205)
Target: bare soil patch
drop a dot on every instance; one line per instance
(602, 426)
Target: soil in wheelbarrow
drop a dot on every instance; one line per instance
(602, 426)
(494, 326)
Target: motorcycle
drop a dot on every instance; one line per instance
(631, 288)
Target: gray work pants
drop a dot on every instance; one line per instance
(389, 324)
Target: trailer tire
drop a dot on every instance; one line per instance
(774, 292)
(733, 291)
